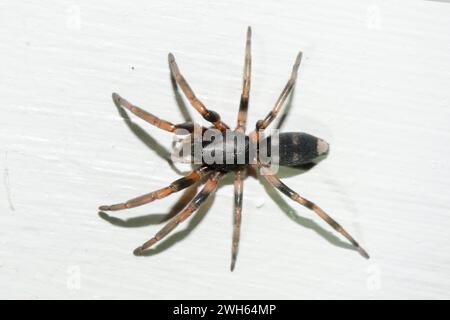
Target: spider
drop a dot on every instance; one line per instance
(295, 148)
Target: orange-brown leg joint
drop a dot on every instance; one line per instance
(277, 183)
(198, 200)
(175, 186)
(147, 116)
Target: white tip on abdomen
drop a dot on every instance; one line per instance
(322, 147)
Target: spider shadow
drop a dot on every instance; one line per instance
(179, 100)
(180, 235)
(292, 214)
(188, 195)
(286, 172)
(153, 219)
(146, 138)
(286, 111)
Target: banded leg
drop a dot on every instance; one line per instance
(193, 206)
(150, 118)
(208, 115)
(277, 183)
(263, 124)
(243, 106)
(175, 186)
(238, 193)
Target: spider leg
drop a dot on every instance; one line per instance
(150, 118)
(262, 124)
(277, 183)
(238, 194)
(243, 106)
(193, 206)
(208, 115)
(175, 186)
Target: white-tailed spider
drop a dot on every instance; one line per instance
(294, 148)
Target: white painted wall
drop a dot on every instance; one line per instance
(374, 82)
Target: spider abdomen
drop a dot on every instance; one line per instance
(295, 148)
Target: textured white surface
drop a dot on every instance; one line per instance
(374, 83)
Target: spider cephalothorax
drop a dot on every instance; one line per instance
(293, 148)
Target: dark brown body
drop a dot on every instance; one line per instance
(294, 148)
